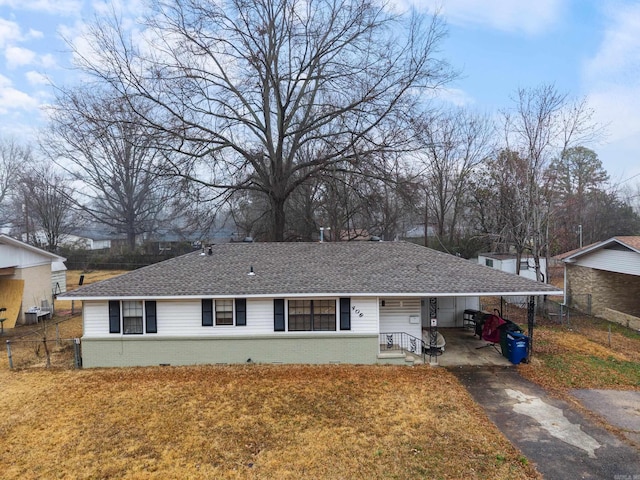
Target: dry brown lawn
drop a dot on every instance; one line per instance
(260, 421)
(248, 421)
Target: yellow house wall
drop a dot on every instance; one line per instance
(37, 287)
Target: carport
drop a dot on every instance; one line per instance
(465, 349)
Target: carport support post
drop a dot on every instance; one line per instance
(531, 316)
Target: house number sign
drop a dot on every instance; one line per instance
(357, 311)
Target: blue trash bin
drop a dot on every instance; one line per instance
(517, 346)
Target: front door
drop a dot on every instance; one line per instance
(447, 312)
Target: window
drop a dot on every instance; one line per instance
(300, 315)
(224, 312)
(224, 309)
(132, 317)
(488, 262)
(132, 321)
(307, 315)
(524, 265)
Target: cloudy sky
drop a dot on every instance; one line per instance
(587, 48)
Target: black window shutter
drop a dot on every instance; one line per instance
(278, 314)
(345, 314)
(150, 316)
(241, 312)
(114, 316)
(207, 312)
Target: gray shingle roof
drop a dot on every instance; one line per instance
(312, 268)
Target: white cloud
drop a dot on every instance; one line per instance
(35, 33)
(36, 78)
(618, 58)
(612, 79)
(14, 99)
(58, 7)
(48, 61)
(18, 56)
(122, 7)
(9, 32)
(506, 15)
(454, 96)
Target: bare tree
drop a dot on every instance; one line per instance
(267, 94)
(501, 203)
(47, 198)
(93, 135)
(452, 144)
(541, 126)
(12, 157)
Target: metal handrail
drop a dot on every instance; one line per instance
(404, 342)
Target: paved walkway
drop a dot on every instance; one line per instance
(562, 443)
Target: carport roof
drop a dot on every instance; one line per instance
(309, 269)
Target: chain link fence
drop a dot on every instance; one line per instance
(41, 347)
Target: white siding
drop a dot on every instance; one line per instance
(259, 316)
(95, 319)
(396, 313)
(364, 315)
(509, 265)
(59, 282)
(12, 256)
(618, 261)
(184, 319)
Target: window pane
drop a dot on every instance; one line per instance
(132, 317)
(132, 308)
(132, 325)
(324, 315)
(299, 315)
(224, 312)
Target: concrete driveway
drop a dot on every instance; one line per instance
(620, 408)
(561, 442)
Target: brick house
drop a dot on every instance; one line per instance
(604, 278)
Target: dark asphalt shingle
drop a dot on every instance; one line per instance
(308, 268)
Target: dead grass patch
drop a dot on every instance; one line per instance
(566, 359)
(27, 347)
(249, 422)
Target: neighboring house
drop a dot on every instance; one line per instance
(604, 278)
(417, 231)
(29, 276)
(507, 262)
(87, 240)
(282, 303)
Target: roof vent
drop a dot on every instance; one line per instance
(248, 240)
(374, 239)
(210, 251)
(251, 272)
